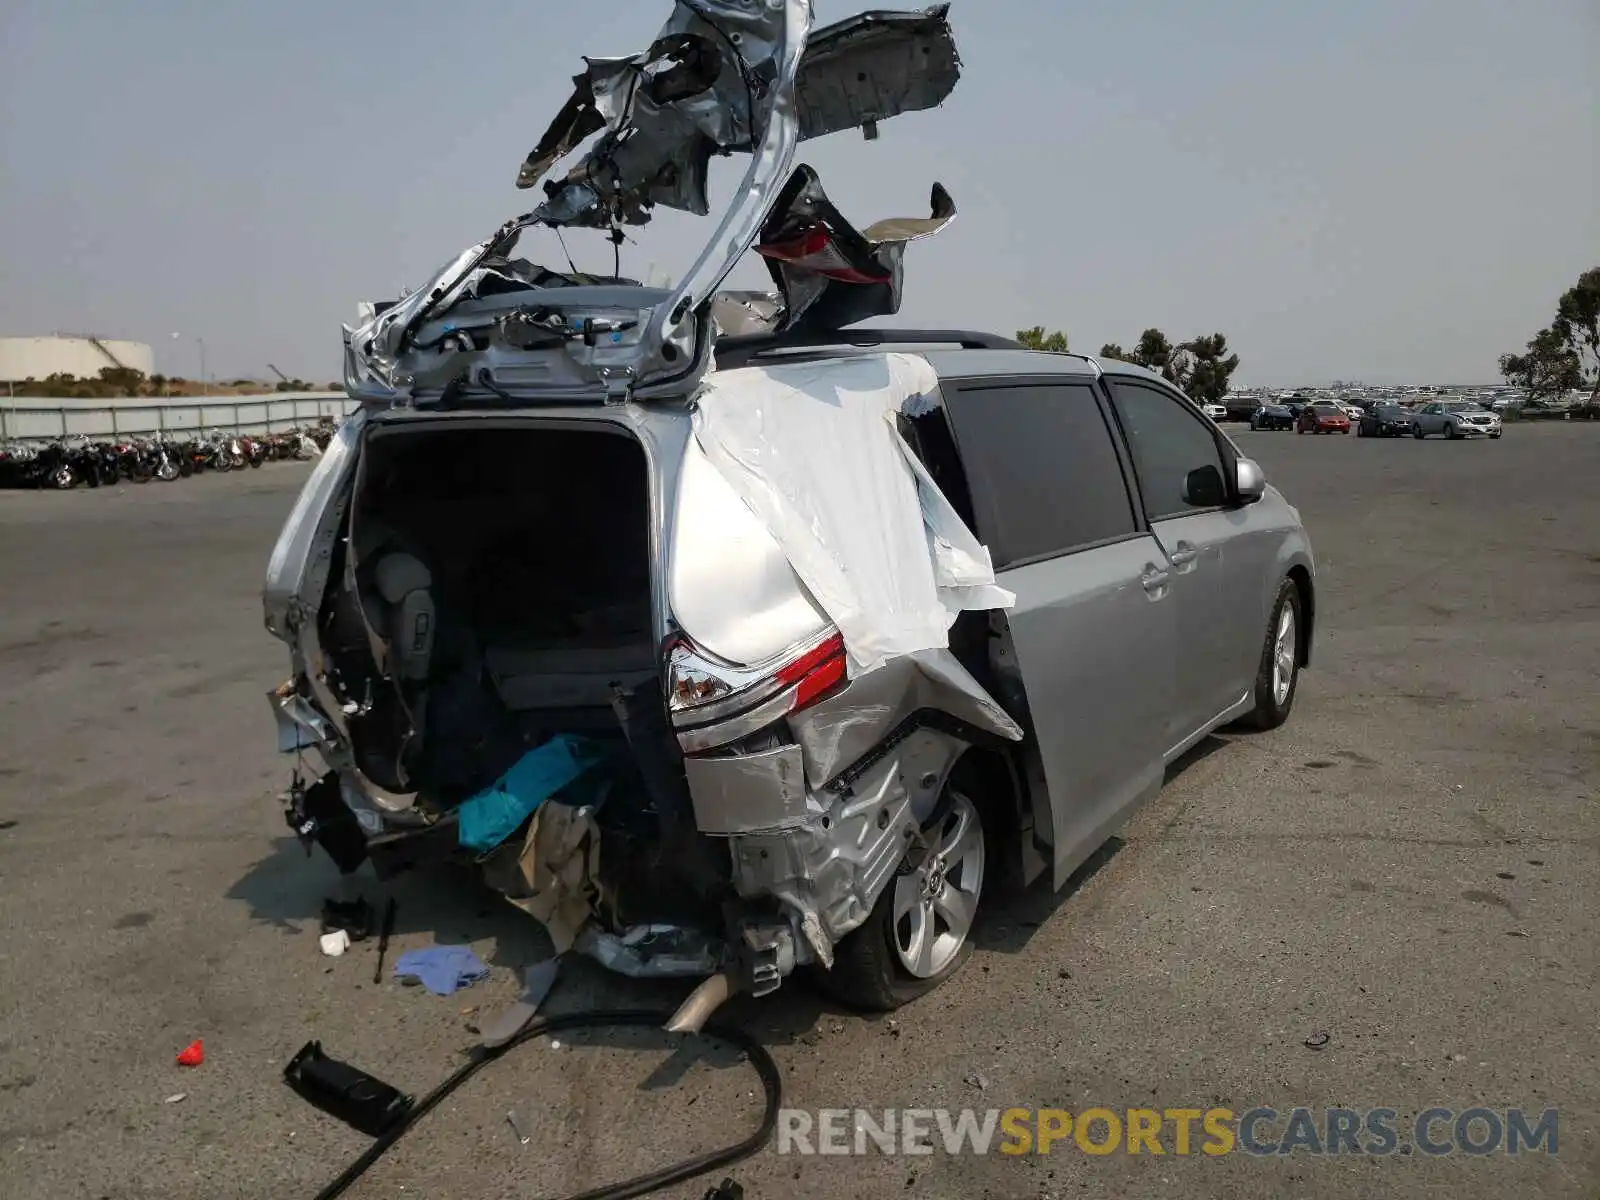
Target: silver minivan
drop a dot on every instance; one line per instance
(724, 656)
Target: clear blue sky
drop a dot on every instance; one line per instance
(1377, 189)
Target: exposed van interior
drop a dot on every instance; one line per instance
(504, 575)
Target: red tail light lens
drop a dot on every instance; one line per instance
(814, 249)
(713, 703)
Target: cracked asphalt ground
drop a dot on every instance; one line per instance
(1411, 867)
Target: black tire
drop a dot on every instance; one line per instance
(1416, 432)
(1269, 713)
(1450, 433)
(867, 974)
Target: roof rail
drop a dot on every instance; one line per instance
(738, 351)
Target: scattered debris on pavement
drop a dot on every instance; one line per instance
(441, 969)
(1317, 1041)
(384, 935)
(192, 1055)
(361, 1101)
(336, 943)
(353, 918)
(518, 1128)
(175, 1098)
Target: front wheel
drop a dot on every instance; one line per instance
(1416, 432)
(920, 931)
(1278, 676)
(1451, 433)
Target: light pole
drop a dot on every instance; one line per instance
(201, 342)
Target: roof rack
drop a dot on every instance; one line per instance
(739, 351)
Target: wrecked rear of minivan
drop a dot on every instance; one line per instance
(585, 649)
(662, 649)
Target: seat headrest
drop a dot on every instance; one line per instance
(398, 575)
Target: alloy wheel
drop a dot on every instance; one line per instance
(934, 905)
(1283, 656)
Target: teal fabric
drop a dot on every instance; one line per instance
(490, 817)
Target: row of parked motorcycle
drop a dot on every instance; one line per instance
(68, 462)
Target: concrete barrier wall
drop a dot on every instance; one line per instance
(33, 419)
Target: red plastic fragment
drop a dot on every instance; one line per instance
(192, 1055)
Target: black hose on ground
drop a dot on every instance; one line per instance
(640, 1185)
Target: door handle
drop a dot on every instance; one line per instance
(1154, 579)
(1183, 555)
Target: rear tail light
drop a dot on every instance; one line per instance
(713, 703)
(815, 249)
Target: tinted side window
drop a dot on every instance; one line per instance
(1172, 450)
(1041, 468)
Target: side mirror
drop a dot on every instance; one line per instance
(1203, 488)
(1250, 480)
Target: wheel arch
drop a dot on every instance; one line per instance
(1300, 576)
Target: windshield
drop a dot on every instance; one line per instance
(1460, 406)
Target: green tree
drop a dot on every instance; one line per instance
(1037, 339)
(1578, 324)
(1212, 368)
(1549, 368)
(122, 381)
(1201, 367)
(1153, 351)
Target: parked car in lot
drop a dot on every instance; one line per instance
(1272, 416)
(774, 650)
(1322, 417)
(1385, 419)
(1455, 419)
(1217, 412)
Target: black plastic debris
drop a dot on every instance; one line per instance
(353, 916)
(1317, 1041)
(359, 1100)
(384, 935)
(726, 1190)
(318, 815)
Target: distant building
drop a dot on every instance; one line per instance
(65, 354)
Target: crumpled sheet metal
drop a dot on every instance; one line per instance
(842, 729)
(698, 90)
(745, 314)
(858, 275)
(832, 874)
(813, 449)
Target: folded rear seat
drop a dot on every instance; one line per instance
(533, 676)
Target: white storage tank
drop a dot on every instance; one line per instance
(67, 354)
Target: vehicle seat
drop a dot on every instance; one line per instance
(407, 616)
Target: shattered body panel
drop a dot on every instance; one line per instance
(722, 77)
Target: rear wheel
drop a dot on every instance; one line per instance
(1416, 432)
(920, 931)
(1278, 676)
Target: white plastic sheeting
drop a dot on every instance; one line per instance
(813, 449)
